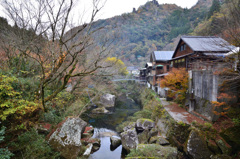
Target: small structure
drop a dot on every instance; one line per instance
(142, 74)
(161, 66)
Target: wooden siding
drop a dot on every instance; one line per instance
(188, 50)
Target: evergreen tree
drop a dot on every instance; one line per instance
(214, 8)
(4, 152)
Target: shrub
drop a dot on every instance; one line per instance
(52, 117)
(181, 123)
(4, 152)
(236, 121)
(208, 126)
(33, 145)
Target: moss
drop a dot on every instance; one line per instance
(231, 136)
(153, 151)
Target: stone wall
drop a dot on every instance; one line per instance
(203, 89)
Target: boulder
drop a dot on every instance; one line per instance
(153, 140)
(222, 156)
(94, 141)
(159, 140)
(196, 146)
(108, 100)
(153, 132)
(162, 141)
(143, 137)
(66, 138)
(129, 139)
(157, 151)
(163, 127)
(88, 150)
(225, 148)
(144, 124)
(115, 142)
(89, 129)
(213, 147)
(88, 132)
(129, 126)
(100, 110)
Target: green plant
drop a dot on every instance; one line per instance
(158, 111)
(194, 123)
(208, 126)
(33, 145)
(181, 123)
(236, 121)
(52, 117)
(4, 152)
(13, 106)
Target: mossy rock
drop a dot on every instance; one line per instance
(144, 124)
(225, 147)
(179, 135)
(196, 146)
(232, 137)
(153, 132)
(221, 156)
(153, 151)
(100, 110)
(213, 147)
(143, 137)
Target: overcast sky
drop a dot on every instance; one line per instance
(115, 7)
(118, 7)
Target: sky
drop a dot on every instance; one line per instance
(113, 8)
(118, 7)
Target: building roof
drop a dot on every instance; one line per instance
(161, 75)
(234, 51)
(205, 44)
(162, 55)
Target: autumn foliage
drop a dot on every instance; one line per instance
(177, 82)
(223, 103)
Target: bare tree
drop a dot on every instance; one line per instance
(59, 53)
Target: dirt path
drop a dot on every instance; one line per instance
(179, 114)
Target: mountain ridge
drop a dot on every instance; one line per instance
(149, 28)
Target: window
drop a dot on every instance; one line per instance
(183, 47)
(168, 68)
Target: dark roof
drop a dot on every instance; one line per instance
(205, 44)
(162, 55)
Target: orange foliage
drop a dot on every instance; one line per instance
(177, 82)
(223, 103)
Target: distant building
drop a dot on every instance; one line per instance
(160, 67)
(133, 70)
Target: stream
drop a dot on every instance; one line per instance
(105, 126)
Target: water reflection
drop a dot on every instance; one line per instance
(105, 125)
(105, 151)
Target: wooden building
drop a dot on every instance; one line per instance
(160, 66)
(192, 49)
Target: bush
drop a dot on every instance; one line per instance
(52, 117)
(208, 126)
(32, 145)
(4, 152)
